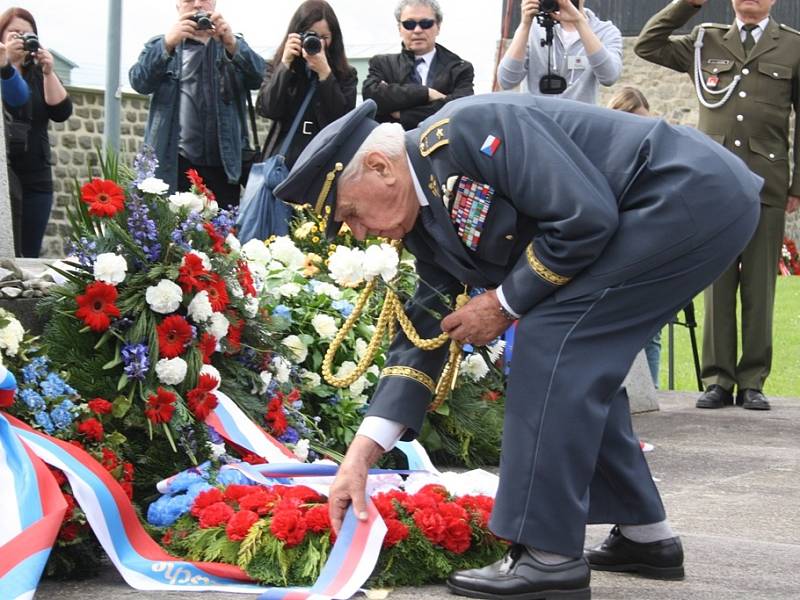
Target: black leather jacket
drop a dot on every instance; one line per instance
(388, 85)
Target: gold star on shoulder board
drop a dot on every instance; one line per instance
(434, 137)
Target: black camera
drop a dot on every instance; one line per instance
(203, 20)
(551, 6)
(30, 42)
(311, 42)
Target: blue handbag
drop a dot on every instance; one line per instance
(261, 214)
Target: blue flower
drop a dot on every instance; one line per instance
(61, 417)
(297, 404)
(290, 436)
(136, 360)
(145, 164)
(32, 399)
(53, 387)
(196, 489)
(43, 420)
(142, 228)
(35, 370)
(167, 509)
(344, 307)
(282, 311)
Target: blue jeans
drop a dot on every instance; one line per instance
(35, 216)
(652, 351)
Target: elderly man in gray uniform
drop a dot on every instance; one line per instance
(591, 226)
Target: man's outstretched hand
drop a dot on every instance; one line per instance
(350, 484)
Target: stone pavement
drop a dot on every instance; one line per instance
(730, 479)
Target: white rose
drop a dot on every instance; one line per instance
(327, 289)
(346, 369)
(211, 370)
(153, 185)
(266, 379)
(282, 369)
(310, 380)
(374, 370)
(474, 367)
(218, 326)
(361, 348)
(251, 306)
(11, 335)
(256, 251)
(233, 242)
(289, 290)
(171, 371)
(301, 450)
(381, 261)
(298, 350)
(211, 207)
(357, 387)
(203, 258)
(188, 200)
(165, 297)
(325, 326)
(284, 250)
(346, 266)
(110, 268)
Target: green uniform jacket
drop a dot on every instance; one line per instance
(754, 122)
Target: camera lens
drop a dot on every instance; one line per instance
(30, 42)
(311, 43)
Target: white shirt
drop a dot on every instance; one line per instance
(757, 32)
(425, 66)
(385, 432)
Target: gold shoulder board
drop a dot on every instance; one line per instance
(434, 137)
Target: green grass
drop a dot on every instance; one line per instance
(784, 380)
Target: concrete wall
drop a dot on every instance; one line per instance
(670, 94)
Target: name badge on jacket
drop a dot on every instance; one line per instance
(576, 62)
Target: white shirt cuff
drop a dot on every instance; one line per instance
(382, 431)
(501, 297)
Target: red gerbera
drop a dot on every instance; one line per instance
(160, 406)
(104, 197)
(199, 184)
(100, 406)
(174, 333)
(191, 272)
(202, 399)
(217, 292)
(246, 279)
(207, 345)
(275, 417)
(234, 337)
(96, 306)
(92, 429)
(217, 241)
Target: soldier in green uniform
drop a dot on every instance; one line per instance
(747, 79)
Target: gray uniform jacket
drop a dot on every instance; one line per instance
(566, 216)
(587, 73)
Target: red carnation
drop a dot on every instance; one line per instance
(396, 532)
(127, 487)
(96, 305)
(234, 492)
(160, 406)
(215, 515)
(480, 507)
(104, 197)
(385, 506)
(214, 286)
(435, 489)
(110, 460)
(318, 519)
(419, 502)
(240, 524)
(234, 337)
(302, 493)
(191, 272)
(69, 532)
(275, 417)
(174, 334)
(431, 524)
(260, 501)
(217, 241)
(207, 345)
(289, 526)
(70, 500)
(100, 406)
(205, 499)
(246, 278)
(202, 399)
(166, 539)
(59, 476)
(92, 429)
(457, 536)
(127, 471)
(451, 510)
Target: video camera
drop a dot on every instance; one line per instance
(551, 6)
(551, 83)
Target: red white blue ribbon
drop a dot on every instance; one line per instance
(8, 386)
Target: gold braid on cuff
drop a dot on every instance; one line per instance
(543, 271)
(410, 373)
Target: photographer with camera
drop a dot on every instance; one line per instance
(198, 73)
(313, 51)
(29, 157)
(564, 49)
(410, 86)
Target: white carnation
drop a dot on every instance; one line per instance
(188, 200)
(203, 258)
(110, 268)
(11, 335)
(171, 371)
(218, 326)
(256, 251)
(474, 367)
(325, 326)
(381, 261)
(301, 450)
(323, 288)
(298, 349)
(251, 306)
(289, 290)
(259, 273)
(284, 250)
(211, 370)
(233, 242)
(282, 369)
(346, 266)
(200, 309)
(165, 297)
(154, 185)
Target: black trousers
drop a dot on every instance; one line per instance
(215, 178)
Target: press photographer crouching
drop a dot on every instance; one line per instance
(29, 158)
(563, 49)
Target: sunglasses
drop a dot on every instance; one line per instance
(411, 24)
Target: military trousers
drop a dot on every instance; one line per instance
(753, 276)
(570, 456)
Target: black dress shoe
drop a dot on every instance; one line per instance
(659, 560)
(519, 576)
(715, 396)
(752, 400)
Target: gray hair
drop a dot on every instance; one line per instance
(432, 4)
(388, 138)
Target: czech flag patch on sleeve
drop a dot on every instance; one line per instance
(490, 145)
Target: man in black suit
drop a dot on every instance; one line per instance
(410, 86)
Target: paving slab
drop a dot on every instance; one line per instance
(730, 479)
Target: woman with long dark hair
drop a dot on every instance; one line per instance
(48, 101)
(290, 72)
